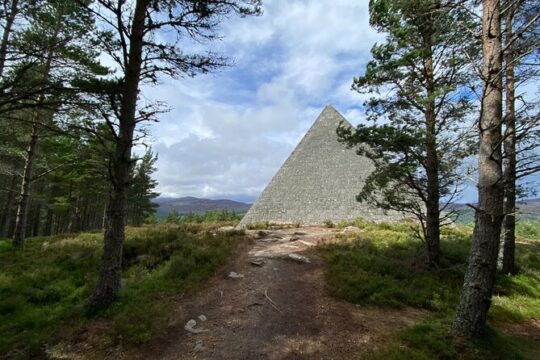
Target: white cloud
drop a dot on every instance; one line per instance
(229, 132)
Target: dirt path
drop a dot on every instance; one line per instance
(278, 310)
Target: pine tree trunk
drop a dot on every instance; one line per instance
(26, 186)
(76, 227)
(8, 26)
(475, 299)
(509, 230)
(433, 219)
(104, 217)
(83, 222)
(432, 204)
(432, 167)
(56, 225)
(8, 208)
(37, 220)
(69, 211)
(47, 230)
(111, 265)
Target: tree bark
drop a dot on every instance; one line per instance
(111, 264)
(432, 165)
(10, 18)
(475, 299)
(509, 232)
(26, 187)
(8, 208)
(432, 205)
(47, 230)
(37, 220)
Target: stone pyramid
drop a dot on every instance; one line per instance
(318, 182)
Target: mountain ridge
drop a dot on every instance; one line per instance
(528, 209)
(187, 204)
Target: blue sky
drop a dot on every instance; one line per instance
(228, 132)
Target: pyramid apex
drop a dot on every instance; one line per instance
(329, 115)
(329, 107)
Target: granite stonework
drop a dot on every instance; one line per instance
(318, 182)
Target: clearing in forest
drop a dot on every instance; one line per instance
(270, 302)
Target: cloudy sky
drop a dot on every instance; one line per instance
(228, 132)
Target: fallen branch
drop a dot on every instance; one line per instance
(270, 300)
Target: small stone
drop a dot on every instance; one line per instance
(298, 258)
(202, 317)
(294, 238)
(257, 262)
(226, 229)
(234, 275)
(198, 345)
(299, 233)
(190, 326)
(268, 239)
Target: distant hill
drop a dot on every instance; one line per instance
(197, 205)
(528, 210)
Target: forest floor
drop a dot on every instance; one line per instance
(356, 291)
(277, 305)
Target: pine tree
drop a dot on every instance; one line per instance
(136, 44)
(475, 298)
(142, 190)
(57, 45)
(521, 41)
(9, 11)
(416, 140)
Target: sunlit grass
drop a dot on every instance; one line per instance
(384, 265)
(44, 288)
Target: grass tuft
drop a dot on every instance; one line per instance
(259, 226)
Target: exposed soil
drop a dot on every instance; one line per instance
(528, 328)
(278, 310)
